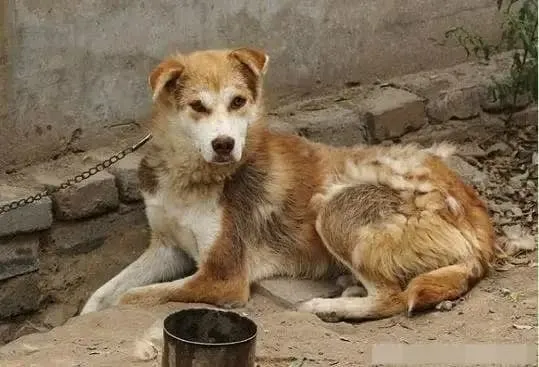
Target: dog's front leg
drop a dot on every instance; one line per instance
(198, 288)
(221, 279)
(156, 264)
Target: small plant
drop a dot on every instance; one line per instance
(519, 33)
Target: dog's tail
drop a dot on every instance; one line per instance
(446, 283)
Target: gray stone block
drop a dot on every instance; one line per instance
(125, 171)
(525, 117)
(334, 124)
(126, 174)
(93, 196)
(75, 237)
(395, 112)
(58, 313)
(461, 104)
(18, 255)
(30, 218)
(290, 292)
(19, 295)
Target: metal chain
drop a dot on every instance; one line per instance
(76, 179)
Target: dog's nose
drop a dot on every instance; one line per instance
(223, 145)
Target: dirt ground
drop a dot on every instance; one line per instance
(500, 309)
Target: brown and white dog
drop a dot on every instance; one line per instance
(230, 202)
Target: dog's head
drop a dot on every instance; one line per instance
(209, 99)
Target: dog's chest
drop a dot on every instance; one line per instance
(193, 224)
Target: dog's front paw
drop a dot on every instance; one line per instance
(150, 345)
(145, 350)
(142, 296)
(94, 304)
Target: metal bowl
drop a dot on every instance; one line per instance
(203, 337)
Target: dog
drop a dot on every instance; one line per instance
(231, 201)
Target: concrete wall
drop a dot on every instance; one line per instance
(74, 72)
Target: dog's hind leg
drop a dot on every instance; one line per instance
(410, 255)
(382, 300)
(158, 263)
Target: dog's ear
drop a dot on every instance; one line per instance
(165, 77)
(256, 60)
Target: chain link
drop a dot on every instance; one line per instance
(76, 179)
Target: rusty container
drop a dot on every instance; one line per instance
(202, 337)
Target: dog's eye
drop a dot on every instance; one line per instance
(198, 107)
(237, 102)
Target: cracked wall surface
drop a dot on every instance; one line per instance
(75, 73)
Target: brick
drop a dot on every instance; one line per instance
(58, 313)
(93, 196)
(395, 112)
(19, 295)
(18, 255)
(290, 292)
(126, 174)
(30, 218)
(334, 125)
(427, 84)
(525, 117)
(458, 104)
(333, 119)
(76, 237)
(456, 131)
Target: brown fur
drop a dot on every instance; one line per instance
(396, 217)
(415, 249)
(147, 176)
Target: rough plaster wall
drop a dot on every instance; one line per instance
(76, 71)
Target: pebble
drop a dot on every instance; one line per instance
(444, 306)
(522, 327)
(517, 211)
(500, 147)
(506, 292)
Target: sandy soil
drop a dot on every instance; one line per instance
(501, 309)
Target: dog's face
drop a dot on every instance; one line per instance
(210, 98)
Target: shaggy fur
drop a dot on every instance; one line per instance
(396, 218)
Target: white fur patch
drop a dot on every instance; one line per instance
(443, 150)
(195, 224)
(221, 125)
(453, 205)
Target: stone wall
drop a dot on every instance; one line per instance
(70, 222)
(439, 105)
(75, 72)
